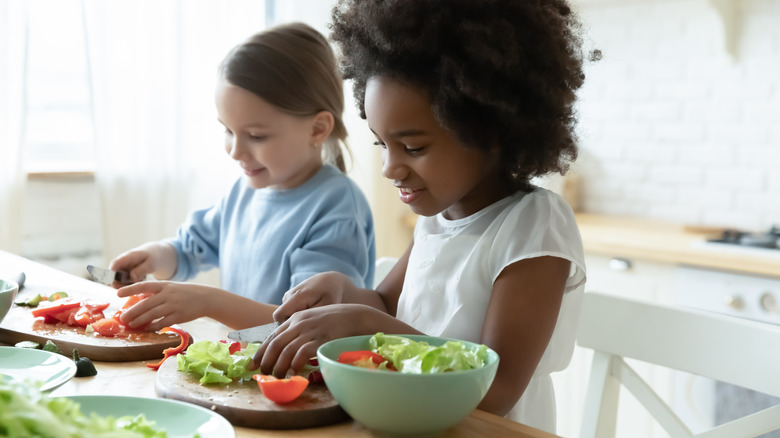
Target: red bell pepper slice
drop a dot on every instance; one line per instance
(56, 308)
(363, 358)
(173, 351)
(281, 391)
(232, 346)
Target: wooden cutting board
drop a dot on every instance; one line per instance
(243, 404)
(19, 325)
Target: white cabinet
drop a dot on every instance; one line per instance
(631, 278)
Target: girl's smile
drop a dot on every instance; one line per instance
(274, 149)
(432, 170)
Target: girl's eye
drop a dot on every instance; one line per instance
(380, 144)
(413, 151)
(257, 137)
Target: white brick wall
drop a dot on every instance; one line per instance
(671, 126)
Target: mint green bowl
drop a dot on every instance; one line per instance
(8, 290)
(395, 404)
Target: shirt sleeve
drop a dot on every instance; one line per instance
(339, 244)
(197, 243)
(542, 224)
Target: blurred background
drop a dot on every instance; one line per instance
(109, 138)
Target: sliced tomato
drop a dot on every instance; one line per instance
(107, 327)
(132, 300)
(362, 358)
(58, 307)
(94, 307)
(85, 317)
(281, 391)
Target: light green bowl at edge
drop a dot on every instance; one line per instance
(395, 404)
(8, 291)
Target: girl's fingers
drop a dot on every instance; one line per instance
(306, 352)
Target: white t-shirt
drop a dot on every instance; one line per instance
(454, 263)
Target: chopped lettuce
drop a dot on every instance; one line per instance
(409, 356)
(26, 412)
(214, 363)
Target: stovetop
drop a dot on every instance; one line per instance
(766, 240)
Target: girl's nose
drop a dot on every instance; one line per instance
(233, 147)
(393, 167)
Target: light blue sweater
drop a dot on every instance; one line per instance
(266, 241)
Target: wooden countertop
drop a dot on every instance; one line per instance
(665, 242)
(135, 379)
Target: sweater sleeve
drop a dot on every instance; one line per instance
(197, 243)
(339, 244)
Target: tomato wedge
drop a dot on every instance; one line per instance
(133, 299)
(173, 351)
(281, 391)
(107, 327)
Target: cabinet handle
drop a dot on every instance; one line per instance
(734, 301)
(619, 264)
(768, 302)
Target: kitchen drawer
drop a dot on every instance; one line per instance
(631, 278)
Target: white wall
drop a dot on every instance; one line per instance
(671, 126)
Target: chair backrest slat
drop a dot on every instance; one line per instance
(728, 349)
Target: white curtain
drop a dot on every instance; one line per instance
(13, 42)
(158, 145)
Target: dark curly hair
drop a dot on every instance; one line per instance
(498, 72)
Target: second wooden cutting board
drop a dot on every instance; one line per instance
(243, 404)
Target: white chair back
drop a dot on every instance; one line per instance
(383, 267)
(725, 348)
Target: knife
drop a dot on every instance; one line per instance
(107, 276)
(254, 334)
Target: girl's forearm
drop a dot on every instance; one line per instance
(235, 311)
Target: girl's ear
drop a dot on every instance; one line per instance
(322, 126)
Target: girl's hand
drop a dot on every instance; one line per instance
(297, 339)
(169, 303)
(156, 258)
(318, 290)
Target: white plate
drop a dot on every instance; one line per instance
(179, 419)
(51, 369)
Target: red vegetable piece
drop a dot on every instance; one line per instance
(173, 351)
(350, 357)
(94, 307)
(107, 327)
(281, 391)
(58, 307)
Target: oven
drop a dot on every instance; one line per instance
(702, 403)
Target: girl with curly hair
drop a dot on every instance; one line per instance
(468, 101)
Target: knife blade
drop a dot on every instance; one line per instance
(107, 276)
(254, 334)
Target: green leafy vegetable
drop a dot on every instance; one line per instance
(27, 412)
(410, 356)
(214, 363)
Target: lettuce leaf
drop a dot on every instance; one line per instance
(410, 356)
(214, 363)
(27, 412)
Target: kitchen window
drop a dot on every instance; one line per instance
(58, 129)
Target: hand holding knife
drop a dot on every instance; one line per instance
(109, 277)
